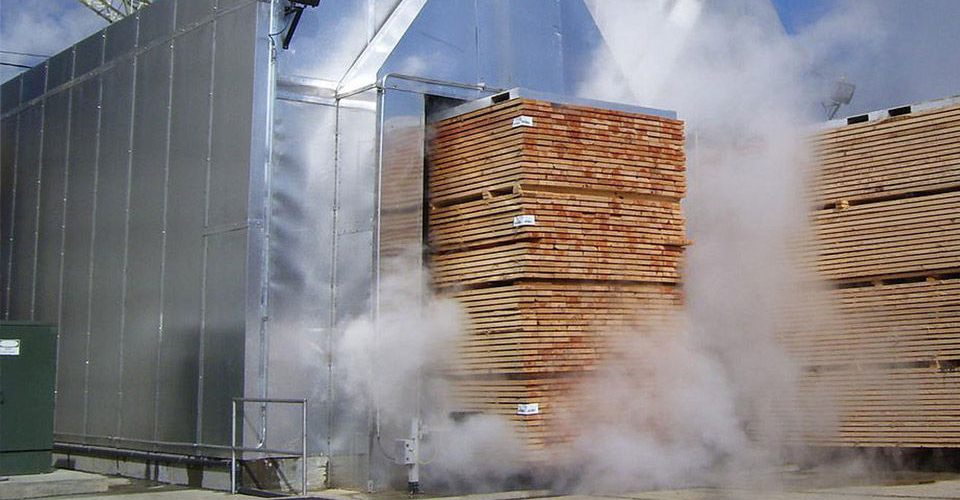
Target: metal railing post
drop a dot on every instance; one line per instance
(303, 467)
(233, 448)
(262, 448)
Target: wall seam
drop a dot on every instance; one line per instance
(36, 216)
(63, 236)
(13, 219)
(203, 236)
(126, 238)
(93, 241)
(163, 236)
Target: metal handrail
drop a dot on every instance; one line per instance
(233, 439)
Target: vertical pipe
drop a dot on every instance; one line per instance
(264, 278)
(413, 461)
(303, 465)
(233, 447)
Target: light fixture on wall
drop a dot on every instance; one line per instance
(295, 9)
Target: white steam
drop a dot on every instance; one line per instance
(660, 416)
(713, 393)
(409, 340)
(717, 394)
(397, 364)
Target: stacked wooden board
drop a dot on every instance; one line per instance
(884, 360)
(558, 227)
(401, 190)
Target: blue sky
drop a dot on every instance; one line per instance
(41, 27)
(798, 14)
(897, 51)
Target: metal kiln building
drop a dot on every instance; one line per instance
(200, 210)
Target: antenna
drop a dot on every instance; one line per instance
(842, 94)
(114, 10)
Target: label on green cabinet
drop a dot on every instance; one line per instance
(9, 347)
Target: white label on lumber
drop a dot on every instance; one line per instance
(528, 408)
(9, 347)
(524, 220)
(523, 121)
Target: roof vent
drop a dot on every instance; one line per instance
(903, 110)
(857, 119)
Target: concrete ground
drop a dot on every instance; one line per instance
(59, 482)
(905, 486)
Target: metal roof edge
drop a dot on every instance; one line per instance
(520, 92)
(891, 112)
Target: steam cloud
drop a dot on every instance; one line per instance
(712, 393)
(396, 366)
(719, 387)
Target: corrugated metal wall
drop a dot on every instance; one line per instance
(126, 167)
(200, 237)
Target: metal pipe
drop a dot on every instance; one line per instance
(233, 448)
(275, 451)
(303, 465)
(381, 92)
(137, 454)
(180, 444)
(271, 400)
(381, 84)
(431, 81)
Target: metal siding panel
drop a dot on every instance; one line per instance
(106, 339)
(356, 174)
(325, 46)
(534, 25)
(582, 46)
(301, 265)
(25, 213)
(192, 11)
(441, 44)
(8, 159)
(142, 306)
(255, 342)
(78, 236)
(34, 82)
(232, 116)
(10, 93)
(229, 4)
(60, 69)
(354, 261)
(179, 370)
(121, 37)
(349, 425)
(156, 22)
(89, 54)
(354, 275)
(52, 189)
(357, 185)
(223, 337)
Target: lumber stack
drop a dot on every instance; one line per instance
(559, 229)
(401, 202)
(884, 359)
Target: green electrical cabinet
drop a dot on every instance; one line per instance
(28, 357)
